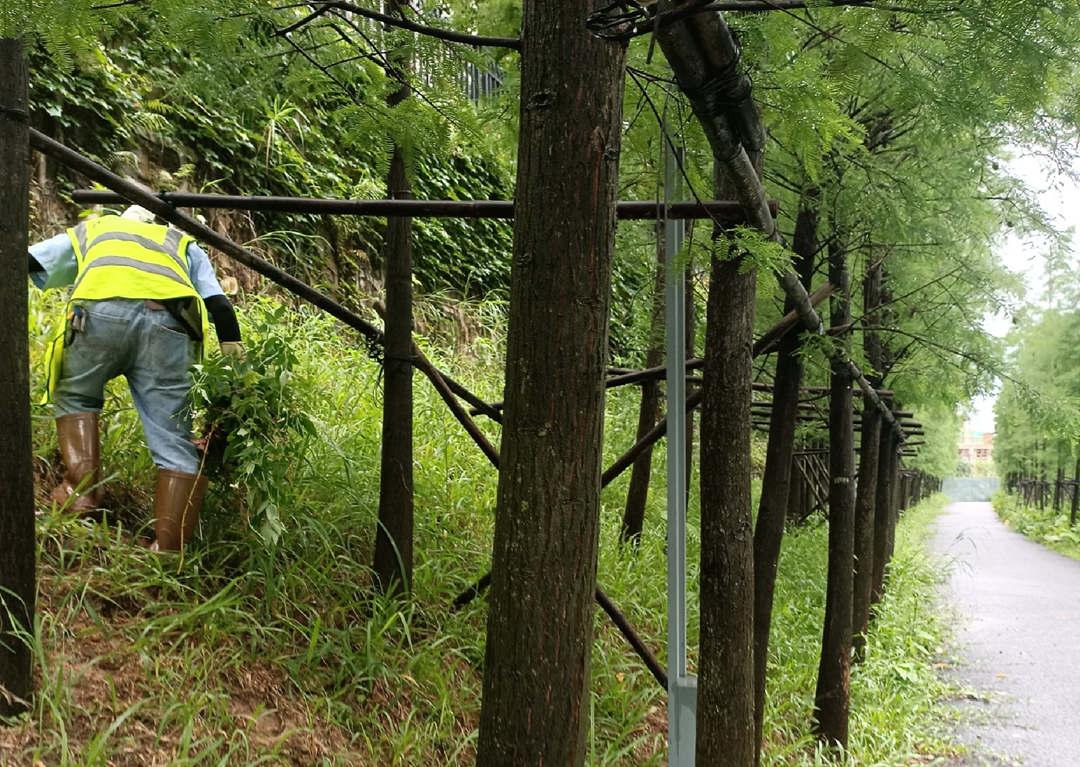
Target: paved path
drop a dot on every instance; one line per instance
(1017, 639)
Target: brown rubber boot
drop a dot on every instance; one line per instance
(77, 435)
(177, 500)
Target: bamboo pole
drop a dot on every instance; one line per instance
(626, 210)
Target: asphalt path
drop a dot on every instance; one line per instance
(1017, 640)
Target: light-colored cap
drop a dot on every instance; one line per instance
(138, 213)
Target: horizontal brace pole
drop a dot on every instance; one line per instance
(724, 211)
(758, 419)
(771, 337)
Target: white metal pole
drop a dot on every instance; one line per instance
(682, 689)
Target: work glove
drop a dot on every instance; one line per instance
(233, 349)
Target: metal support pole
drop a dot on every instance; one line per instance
(682, 688)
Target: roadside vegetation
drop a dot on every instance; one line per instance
(1045, 525)
(266, 644)
(268, 641)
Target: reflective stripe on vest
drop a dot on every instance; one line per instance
(131, 263)
(118, 258)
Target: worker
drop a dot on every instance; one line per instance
(139, 306)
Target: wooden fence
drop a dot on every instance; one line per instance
(1059, 493)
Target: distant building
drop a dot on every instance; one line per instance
(976, 447)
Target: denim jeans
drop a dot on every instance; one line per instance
(146, 346)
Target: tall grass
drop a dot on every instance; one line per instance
(249, 651)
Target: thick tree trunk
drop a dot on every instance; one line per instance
(547, 515)
(725, 714)
(866, 493)
(393, 558)
(776, 483)
(17, 548)
(638, 493)
(832, 699)
(883, 510)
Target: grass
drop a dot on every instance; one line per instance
(897, 691)
(253, 651)
(1046, 526)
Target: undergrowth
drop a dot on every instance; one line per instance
(1046, 526)
(272, 649)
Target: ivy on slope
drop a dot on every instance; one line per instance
(119, 101)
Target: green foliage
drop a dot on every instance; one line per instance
(756, 250)
(1045, 526)
(942, 423)
(1038, 410)
(896, 692)
(251, 414)
(240, 121)
(248, 653)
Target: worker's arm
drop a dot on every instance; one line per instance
(217, 304)
(52, 262)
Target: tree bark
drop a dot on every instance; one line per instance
(547, 514)
(894, 510)
(866, 492)
(725, 713)
(393, 557)
(883, 510)
(864, 525)
(776, 484)
(638, 493)
(17, 546)
(1075, 490)
(832, 699)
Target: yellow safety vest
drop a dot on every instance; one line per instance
(119, 258)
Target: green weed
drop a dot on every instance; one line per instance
(1046, 526)
(257, 649)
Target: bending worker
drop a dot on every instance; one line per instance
(139, 309)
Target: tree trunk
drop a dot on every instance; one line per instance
(725, 714)
(866, 491)
(776, 483)
(832, 699)
(638, 493)
(794, 507)
(17, 546)
(883, 510)
(539, 636)
(894, 515)
(393, 558)
(1076, 490)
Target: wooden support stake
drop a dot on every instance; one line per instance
(17, 548)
